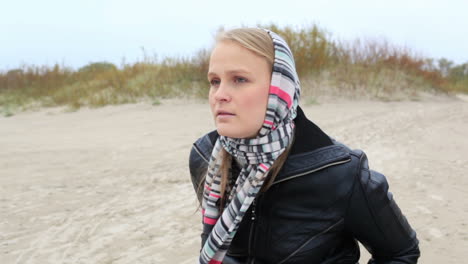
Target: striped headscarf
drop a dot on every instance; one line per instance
(256, 155)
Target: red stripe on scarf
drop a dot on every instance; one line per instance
(215, 195)
(282, 94)
(209, 221)
(264, 166)
(268, 122)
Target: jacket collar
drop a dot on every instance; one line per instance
(307, 135)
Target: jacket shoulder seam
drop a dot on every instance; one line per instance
(200, 153)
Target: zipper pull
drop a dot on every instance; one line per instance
(253, 210)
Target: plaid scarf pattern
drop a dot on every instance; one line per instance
(256, 155)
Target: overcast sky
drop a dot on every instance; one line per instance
(79, 32)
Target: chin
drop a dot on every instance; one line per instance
(225, 133)
(233, 134)
(228, 132)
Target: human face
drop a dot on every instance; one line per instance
(239, 86)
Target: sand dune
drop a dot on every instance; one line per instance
(111, 185)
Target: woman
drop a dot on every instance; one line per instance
(273, 187)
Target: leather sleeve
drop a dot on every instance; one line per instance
(197, 166)
(374, 218)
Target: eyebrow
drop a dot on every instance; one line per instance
(240, 71)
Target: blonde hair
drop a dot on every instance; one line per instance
(258, 41)
(253, 39)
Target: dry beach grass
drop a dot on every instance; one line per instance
(111, 185)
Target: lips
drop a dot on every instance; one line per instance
(224, 113)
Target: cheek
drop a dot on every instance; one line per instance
(210, 96)
(255, 104)
(211, 100)
(261, 96)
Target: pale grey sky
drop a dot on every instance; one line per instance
(78, 32)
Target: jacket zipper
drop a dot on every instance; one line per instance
(290, 177)
(254, 207)
(312, 238)
(311, 171)
(251, 232)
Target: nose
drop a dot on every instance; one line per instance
(222, 93)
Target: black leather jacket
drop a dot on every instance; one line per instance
(323, 200)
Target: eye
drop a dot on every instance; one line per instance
(215, 82)
(240, 80)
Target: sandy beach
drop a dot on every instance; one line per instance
(111, 185)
